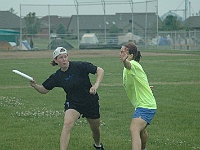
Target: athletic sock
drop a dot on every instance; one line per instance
(97, 145)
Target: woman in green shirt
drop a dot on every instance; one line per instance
(139, 93)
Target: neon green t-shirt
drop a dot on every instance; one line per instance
(137, 87)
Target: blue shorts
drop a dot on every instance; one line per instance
(145, 114)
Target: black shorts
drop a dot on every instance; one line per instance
(90, 110)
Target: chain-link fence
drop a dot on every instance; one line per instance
(182, 40)
(108, 24)
(128, 21)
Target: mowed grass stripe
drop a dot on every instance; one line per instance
(110, 85)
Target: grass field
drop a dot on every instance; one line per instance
(32, 121)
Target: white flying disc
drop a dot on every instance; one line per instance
(23, 75)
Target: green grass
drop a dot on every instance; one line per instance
(32, 121)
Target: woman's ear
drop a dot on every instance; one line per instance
(132, 56)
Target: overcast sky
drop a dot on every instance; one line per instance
(63, 6)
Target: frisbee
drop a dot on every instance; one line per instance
(23, 75)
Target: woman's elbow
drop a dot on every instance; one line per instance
(100, 70)
(42, 90)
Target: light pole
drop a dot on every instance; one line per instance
(78, 36)
(104, 12)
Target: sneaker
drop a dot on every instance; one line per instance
(99, 148)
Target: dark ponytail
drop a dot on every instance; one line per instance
(138, 56)
(132, 49)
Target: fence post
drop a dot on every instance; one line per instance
(174, 40)
(77, 17)
(49, 18)
(20, 44)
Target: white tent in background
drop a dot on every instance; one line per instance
(89, 38)
(129, 37)
(25, 45)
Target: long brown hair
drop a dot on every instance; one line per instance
(132, 49)
(53, 63)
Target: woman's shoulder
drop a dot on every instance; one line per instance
(57, 72)
(75, 62)
(79, 63)
(135, 63)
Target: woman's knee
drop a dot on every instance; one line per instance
(135, 128)
(94, 123)
(144, 133)
(138, 124)
(68, 124)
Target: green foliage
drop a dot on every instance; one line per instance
(60, 30)
(114, 29)
(32, 23)
(171, 23)
(33, 121)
